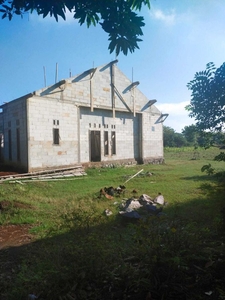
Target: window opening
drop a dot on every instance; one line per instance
(106, 143)
(10, 144)
(18, 143)
(113, 142)
(1, 146)
(55, 122)
(55, 136)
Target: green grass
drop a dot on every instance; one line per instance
(80, 253)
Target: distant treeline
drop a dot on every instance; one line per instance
(192, 136)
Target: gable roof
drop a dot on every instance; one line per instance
(97, 86)
(102, 87)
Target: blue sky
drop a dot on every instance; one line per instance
(180, 38)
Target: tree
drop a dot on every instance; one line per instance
(199, 138)
(208, 107)
(207, 104)
(117, 17)
(219, 139)
(205, 139)
(172, 138)
(168, 136)
(190, 133)
(179, 140)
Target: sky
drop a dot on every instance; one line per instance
(180, 38)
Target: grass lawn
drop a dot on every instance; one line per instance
(80, 253)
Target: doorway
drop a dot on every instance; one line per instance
(95, 146)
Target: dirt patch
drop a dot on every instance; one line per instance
(14, 235)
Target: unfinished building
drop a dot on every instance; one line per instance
(98, 116)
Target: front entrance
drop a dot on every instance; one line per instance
(95, 146)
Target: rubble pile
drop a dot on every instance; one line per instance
(136, 208)
(133, 207)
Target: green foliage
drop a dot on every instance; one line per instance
(220, 175)
(208, 169)
(172, 138)
(190, 133)
(220, 157)
(208, 108)
(192, 136)
(201, 138)
(117, 18)
(207, 104)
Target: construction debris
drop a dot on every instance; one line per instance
(137, 208)
(46, 175)
(159, 199)
(110, 192)
(134, 208)
(108, 212)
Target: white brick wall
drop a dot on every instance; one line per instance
(42, 152)
(14, 117)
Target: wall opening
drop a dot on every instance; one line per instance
(18, 143)
(106, 143)
(113, 142)
(56, 136)
(10, 143)
(95, 146)
(1, 147)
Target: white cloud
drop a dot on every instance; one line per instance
(174, 108)
(173, 17)
(167, 18)
(178, 117)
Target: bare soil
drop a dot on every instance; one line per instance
(14, 235)
(14, 240)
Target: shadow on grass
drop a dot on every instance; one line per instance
(201, 178)
(179, 255)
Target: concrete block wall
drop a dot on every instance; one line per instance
(14, 118)
(152, 136)
(134, 138)
(123, 124)
(44, 115)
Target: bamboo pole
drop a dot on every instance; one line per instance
(133, 176)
